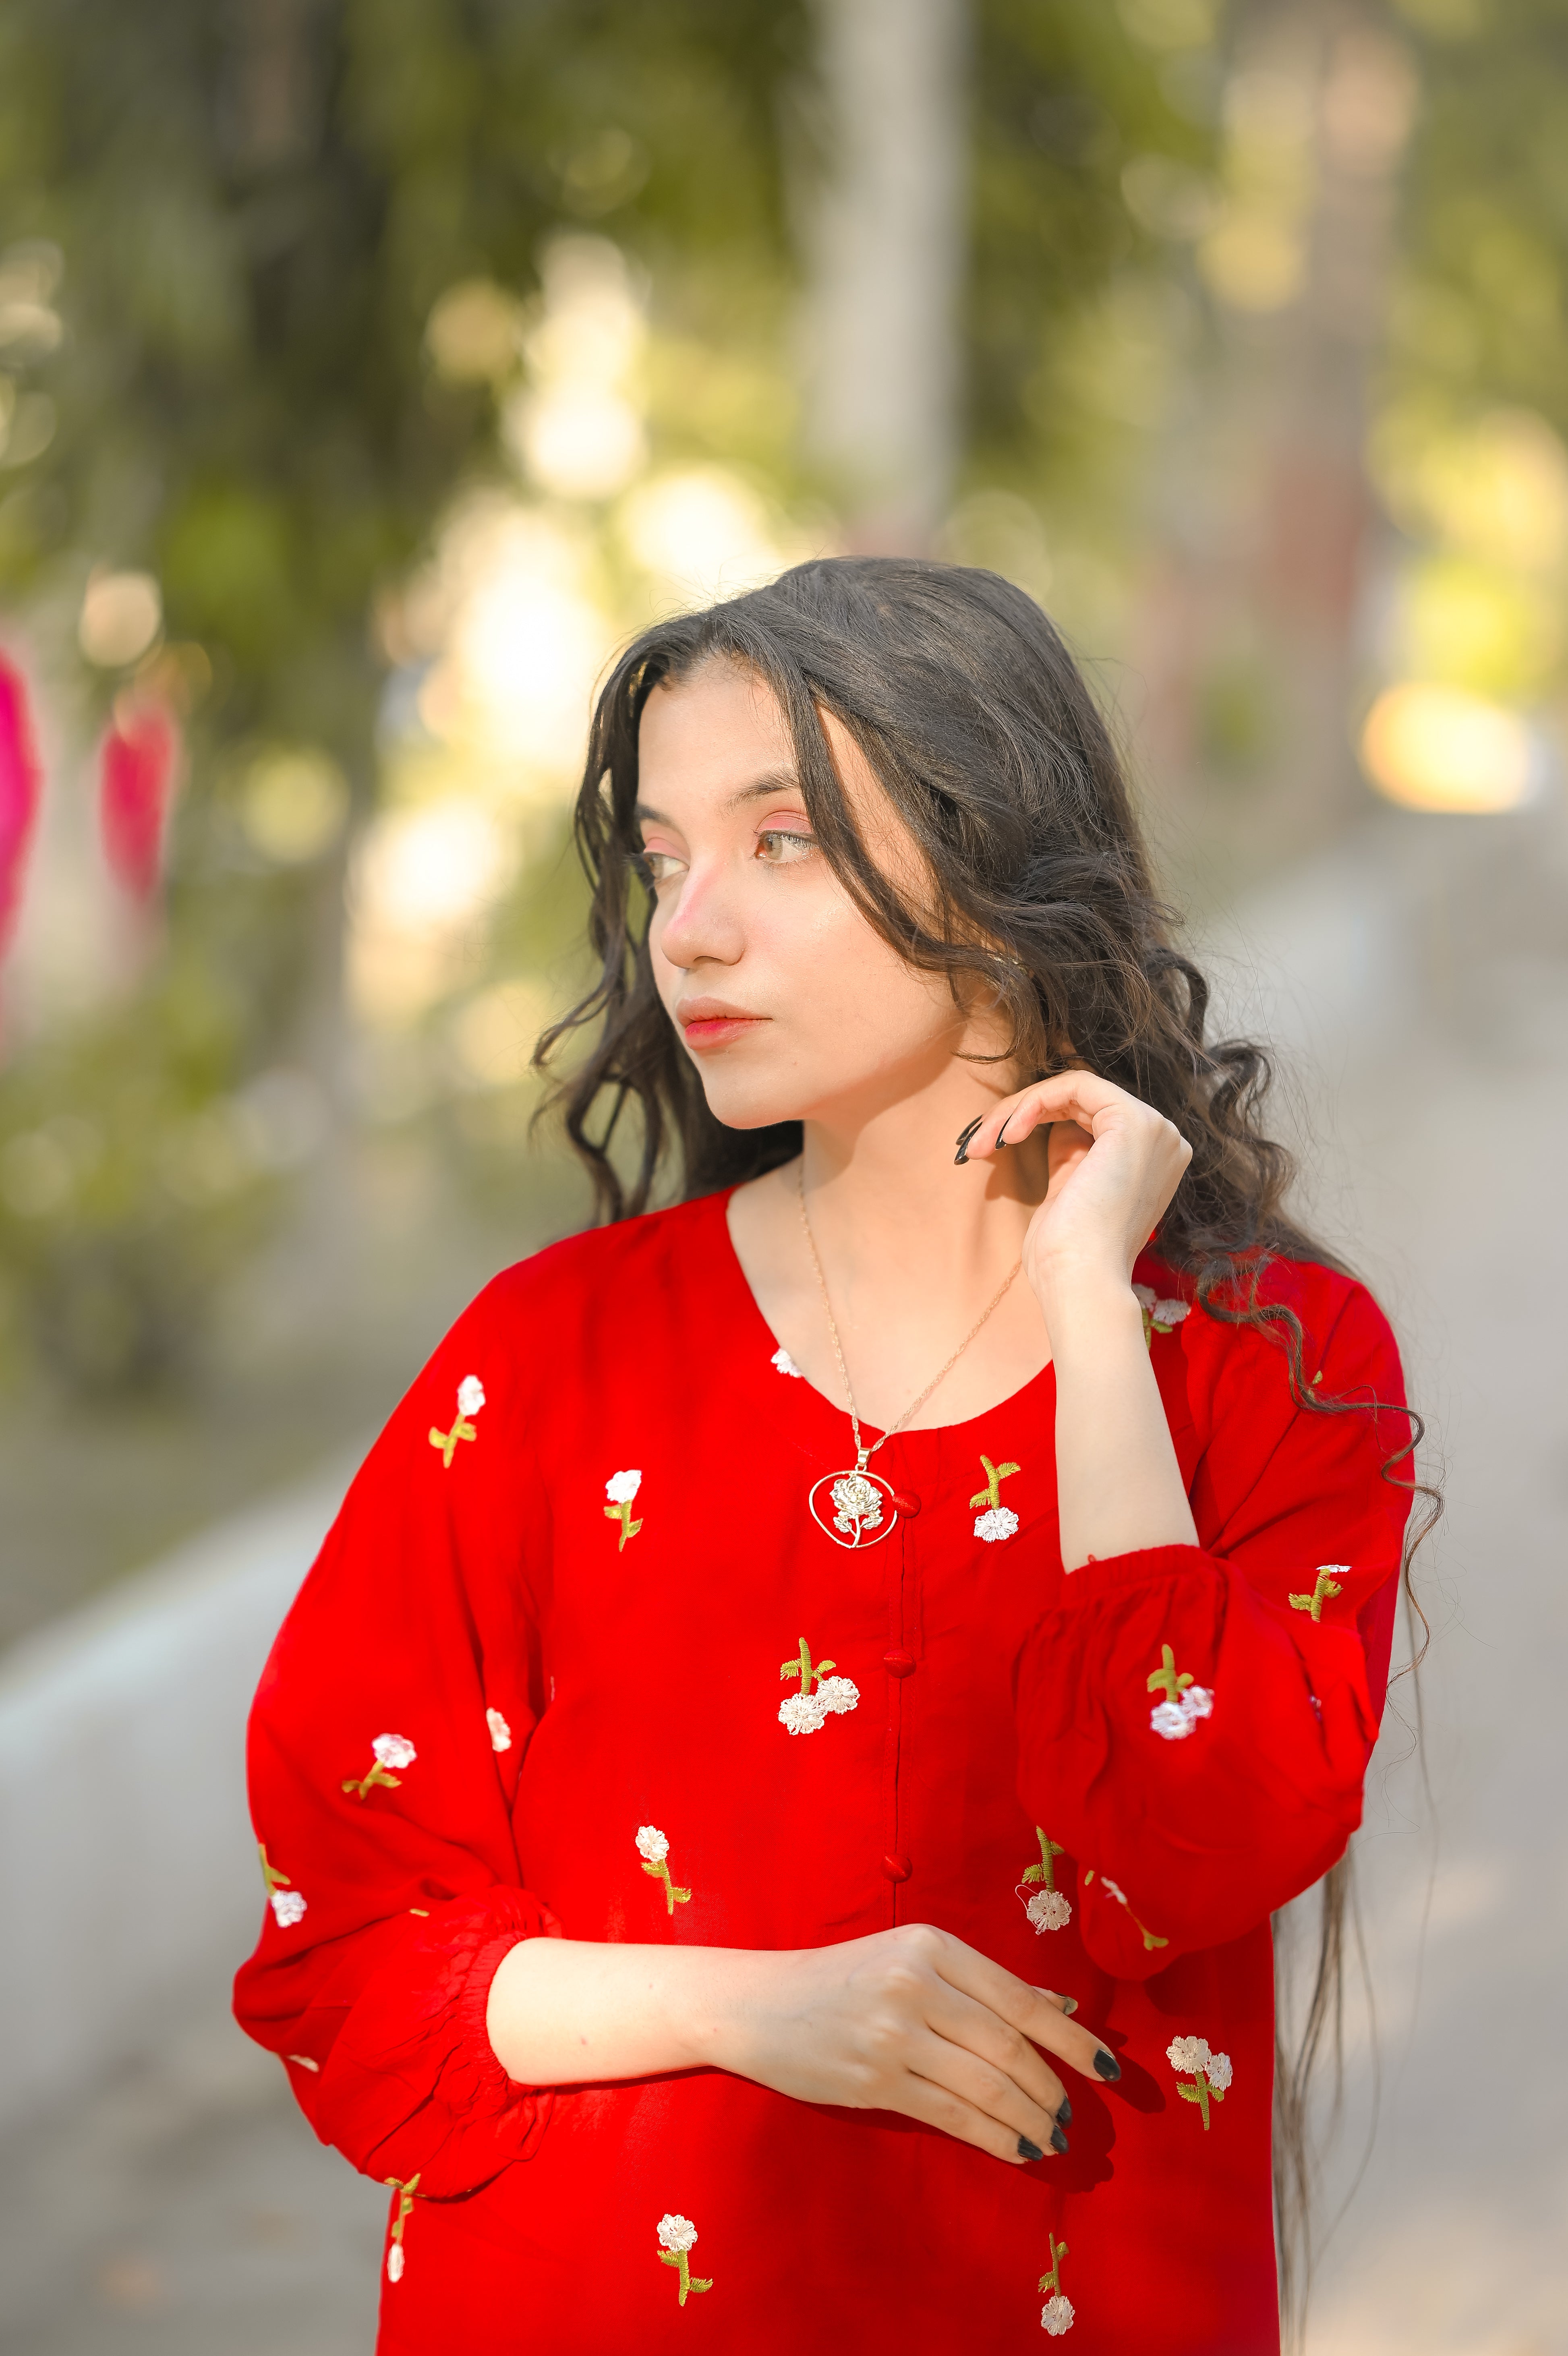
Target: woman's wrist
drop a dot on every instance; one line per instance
(1084, 1305)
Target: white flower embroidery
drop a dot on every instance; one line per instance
(406, 2194)
(1210, 2073)
(304, 2061)
(1176, 1719)
(386, 1751)
(1185, 1702)
(785, 1363)
(470, 1400)
(653, 1847)
(501, 1732)
(1000, 1522)
(838, 1695)
(620, 1489)
(803, 1713)
(1056, 2315)
(997, 1521)
(1050, 1910)
(1159, 1316)
(289, 1906)
(676, 2235)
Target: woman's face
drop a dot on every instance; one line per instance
(790, 1005)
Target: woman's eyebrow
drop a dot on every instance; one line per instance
(776, 781)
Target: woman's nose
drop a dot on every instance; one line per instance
(703, 922)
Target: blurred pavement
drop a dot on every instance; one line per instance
(1418, 977)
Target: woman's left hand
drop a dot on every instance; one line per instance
(1114, 1164)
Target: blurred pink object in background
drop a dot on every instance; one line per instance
(137, 776)
(20, 779)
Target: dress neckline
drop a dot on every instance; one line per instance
(1027, 1393)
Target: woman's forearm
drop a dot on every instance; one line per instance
(1119, 1485)
(562, 2011)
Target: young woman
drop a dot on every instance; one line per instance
(773, 1793)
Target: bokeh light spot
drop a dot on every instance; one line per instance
(121, 614)
(293, 804)
(1438, 748)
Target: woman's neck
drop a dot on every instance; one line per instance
(911, 1250)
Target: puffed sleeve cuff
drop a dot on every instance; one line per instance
(412, 2086)
(1189, 1820)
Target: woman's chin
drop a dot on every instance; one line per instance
(741, 1107)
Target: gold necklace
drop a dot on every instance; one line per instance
(864, 1505)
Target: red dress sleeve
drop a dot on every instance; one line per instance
(1195, 1722)
(384, 1748)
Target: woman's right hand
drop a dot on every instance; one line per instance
(915, 2021)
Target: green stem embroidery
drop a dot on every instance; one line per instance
(802, 1669)
(406, 2194)
(1168, 1676)
(378, 1774)
(1202, 2094)
(1151, 1938)
(1053, 2281)
(622, 1514)
(689, 2281)
(1050, 1848)
(270, 1874)
(995, 1476)
(1325, 1591)
(673, 1894)
(446, 1441)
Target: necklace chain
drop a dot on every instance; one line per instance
(863, 1453)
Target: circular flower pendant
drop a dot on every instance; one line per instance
(859, 1509)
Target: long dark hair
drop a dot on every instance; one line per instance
(980, 731)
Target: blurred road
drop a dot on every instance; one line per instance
(1421, 977)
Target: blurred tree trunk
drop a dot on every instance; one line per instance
(886, 241)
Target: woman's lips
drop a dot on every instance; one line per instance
(711, 1023)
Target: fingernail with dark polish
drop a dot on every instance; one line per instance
(1058, 2141)
(1028, 2150)
(1108, 2066)
(1002, 1137)
(1064, 2117)
(963, 1137)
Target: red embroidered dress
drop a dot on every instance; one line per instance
(533, 1685)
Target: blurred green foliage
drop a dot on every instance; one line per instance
(250, 210)
(1482, 313)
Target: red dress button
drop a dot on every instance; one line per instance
(899, 1664)
(896, 1869)
(907, 1503)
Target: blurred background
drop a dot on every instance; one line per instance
(367, 373)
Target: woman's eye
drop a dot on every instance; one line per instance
(780, 848)
(658, 866)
